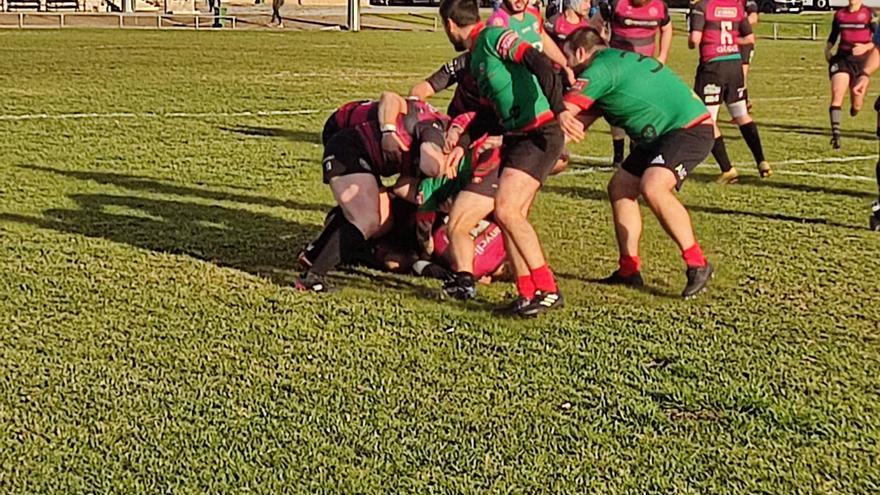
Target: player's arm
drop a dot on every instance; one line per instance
(443, 78)
(552, 50)
(862, 48)
(422, 90)
(696, 24)
(391, 106)
(510, 47)
(832, 38)
(432, 161)
(406, 188)
(592, 84)
(746, 35)
(665, 39)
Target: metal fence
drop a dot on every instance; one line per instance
(48, 20)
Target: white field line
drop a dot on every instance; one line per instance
(835, 159)
(148, 115)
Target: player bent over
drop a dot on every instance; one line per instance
(521, 83)
(854, 25)
(673, 132)
(718, 27)
(354, 160)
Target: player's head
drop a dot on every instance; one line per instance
(458, 16)
(516, 6)
(581, 7)
(580, 46)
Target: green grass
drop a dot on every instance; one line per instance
(150, 340)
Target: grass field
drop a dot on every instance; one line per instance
(150, 339)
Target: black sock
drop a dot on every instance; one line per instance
(618, 150)
(750, 135)
(834, 112)
(332, 222)
(465, 279)
(719, 151)
(343, 242)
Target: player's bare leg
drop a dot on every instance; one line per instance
(729, 175)
(623, 193)
(358, 196)
(840, 84)
(749, 131)
(467, 211)
(516, 192)
(657, 187)
(857, 98)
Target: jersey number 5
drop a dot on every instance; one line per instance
(726, 35)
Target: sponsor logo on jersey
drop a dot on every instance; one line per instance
(726, 12)
(580, 85)
(639, 23)
(363, 163)
(505, 43)
(328, 162)
(658, 160)
(653, 12)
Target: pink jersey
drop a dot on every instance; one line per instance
(559, 27)
(852, 27)
(489, 251)
(635, 28)
(722, 23)
(422, 122)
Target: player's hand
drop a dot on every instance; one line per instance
(861, 86)
(424, 237)
(446, 206)
(393, 147)
(828, 54)
(862, 48)
(571, 126)
(452, 161)
(569, 74)
(453, 135)
(489, 143)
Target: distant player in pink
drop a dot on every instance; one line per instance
(854, 25)
(572, 18)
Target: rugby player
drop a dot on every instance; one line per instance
(747, 48)
(527, 22)
(522, 84)
(355, 159)
(717, 27)
(635, 25)
(572, 17)
(673, 132)
(854, 25)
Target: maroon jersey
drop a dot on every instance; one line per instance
(722, 23)
(635, 28)
(559, 27)
(851, 27)
(422, 123)
(458, 71)
(355, 113)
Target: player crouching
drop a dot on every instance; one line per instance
(672, 131)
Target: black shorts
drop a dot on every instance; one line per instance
(486, 175)
(847, 64)
(679, 151)
(748, 53)
(720, 82)
(534, 152)
(345, 154)
(330, 129)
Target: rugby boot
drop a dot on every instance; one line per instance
(461, 286)
(543, 301)
(513, 307)
(764, 169)
(875, 216)
(835, 140)
(313, 282)
(697, 279)
(635, 280)
(729, 177)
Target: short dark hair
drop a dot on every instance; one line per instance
(585, 38)
(462, 12)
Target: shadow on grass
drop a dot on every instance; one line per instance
(148, 184)
(773, 182)
(251, 242)
(599, 195)
(812, 130)
(290, 135)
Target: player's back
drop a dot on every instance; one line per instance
(646, 98)
(721, 25)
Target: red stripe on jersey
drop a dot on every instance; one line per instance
(520, 52)
(581, 100)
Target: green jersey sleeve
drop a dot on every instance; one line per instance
(593, 83)
(507, 44)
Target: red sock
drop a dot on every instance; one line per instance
(693, 256)
(629, 265)
(525, 286)
(543, 279)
